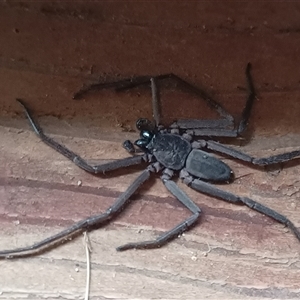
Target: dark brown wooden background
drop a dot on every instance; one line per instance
(50, 49)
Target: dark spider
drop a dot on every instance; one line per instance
(169, 151)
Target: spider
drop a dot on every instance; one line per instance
(176, 150)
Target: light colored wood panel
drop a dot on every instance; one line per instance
(232, 253)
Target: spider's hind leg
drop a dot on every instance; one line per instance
(259, 161)
(161, 240)
(213, 191)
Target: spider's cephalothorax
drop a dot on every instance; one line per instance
(175, 152)
(183, 148)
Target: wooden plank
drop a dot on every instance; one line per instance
(233, 252)
(49, 49)
(71, 51)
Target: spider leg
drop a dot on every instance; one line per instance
(183, 84)
(265, 161)
(119, 85)
(180, 228)
(76, 159)
(213, 191)
(83, 225)
(133, 82)
(223, 127)
(155, 101)
(215, 128)
(249, 104)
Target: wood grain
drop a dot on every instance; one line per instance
(49, 50)
(233, 252)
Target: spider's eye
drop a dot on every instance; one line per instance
(141, 143)
(147, 135)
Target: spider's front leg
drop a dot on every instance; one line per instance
(90, 222)
(133, 82)
(75, 158)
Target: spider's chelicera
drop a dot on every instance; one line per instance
(184, 149)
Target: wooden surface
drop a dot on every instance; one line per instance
(233, 252)
(48, 50)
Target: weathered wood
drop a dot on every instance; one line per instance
(49, 49)
(232, 252)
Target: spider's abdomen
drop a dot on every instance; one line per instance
(207, 167)
(170, 150)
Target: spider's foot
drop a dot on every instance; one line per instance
(140, 245)
(126, 247)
